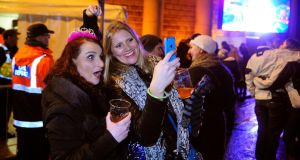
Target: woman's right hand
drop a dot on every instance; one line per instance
(120, 129)
(163, 75)
(93, 10)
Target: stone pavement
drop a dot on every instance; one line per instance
(243, 140)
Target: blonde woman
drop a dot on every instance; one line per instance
(143, 80)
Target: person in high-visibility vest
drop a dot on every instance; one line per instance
(7, 50)
(1, 35)
(29, 68)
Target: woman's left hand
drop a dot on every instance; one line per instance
(164, 73)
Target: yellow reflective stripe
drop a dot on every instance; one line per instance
(7, 57)
(28, 124)
(2, 76)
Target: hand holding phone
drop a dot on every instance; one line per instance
(170, 45)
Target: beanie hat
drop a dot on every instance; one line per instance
(37, 30)
(206, 43)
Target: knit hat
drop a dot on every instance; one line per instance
(37, 30)
(206, 43)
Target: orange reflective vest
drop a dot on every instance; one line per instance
(30, 65)
(29, 68)
(1, 39)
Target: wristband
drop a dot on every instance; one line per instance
(166, 95)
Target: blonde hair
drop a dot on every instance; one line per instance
(113, 67)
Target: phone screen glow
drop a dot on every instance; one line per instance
(170, 45)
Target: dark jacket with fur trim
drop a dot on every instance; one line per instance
(76, 128)
(75, 123)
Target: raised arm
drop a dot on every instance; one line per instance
(90, 19)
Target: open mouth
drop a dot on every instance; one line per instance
(97, 74)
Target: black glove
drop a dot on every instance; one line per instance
(194, 106)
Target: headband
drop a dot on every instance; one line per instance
(82, 32)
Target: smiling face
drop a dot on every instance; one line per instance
(89, 63)
(124, 47)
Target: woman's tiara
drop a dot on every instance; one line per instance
(82, 32)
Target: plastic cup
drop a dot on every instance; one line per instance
(119, 109)
(182, 82)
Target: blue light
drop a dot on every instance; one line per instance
(264, 16)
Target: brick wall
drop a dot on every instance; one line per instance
(177, 16)
(135, 12)
(178, 19)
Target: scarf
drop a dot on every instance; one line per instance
(132, 84)
(205, 60)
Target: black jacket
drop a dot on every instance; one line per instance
(12, 51)
(233, 66)
(76, 129)
(152, 116)
(147, 124)
(291, 71)
(75, 125)
(211, 140)
(91, 23)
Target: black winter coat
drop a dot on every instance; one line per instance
(147, 124)
(211, 140)
(290, 72)
(76, 129)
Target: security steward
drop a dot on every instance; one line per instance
(7, 50)
(30, 65)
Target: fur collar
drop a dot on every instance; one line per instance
(70, 93)
(205, 60)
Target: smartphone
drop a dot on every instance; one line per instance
(170, 45)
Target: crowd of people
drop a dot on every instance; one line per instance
(62, 108)
(271, 78)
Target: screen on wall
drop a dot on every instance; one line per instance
(265, 16)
